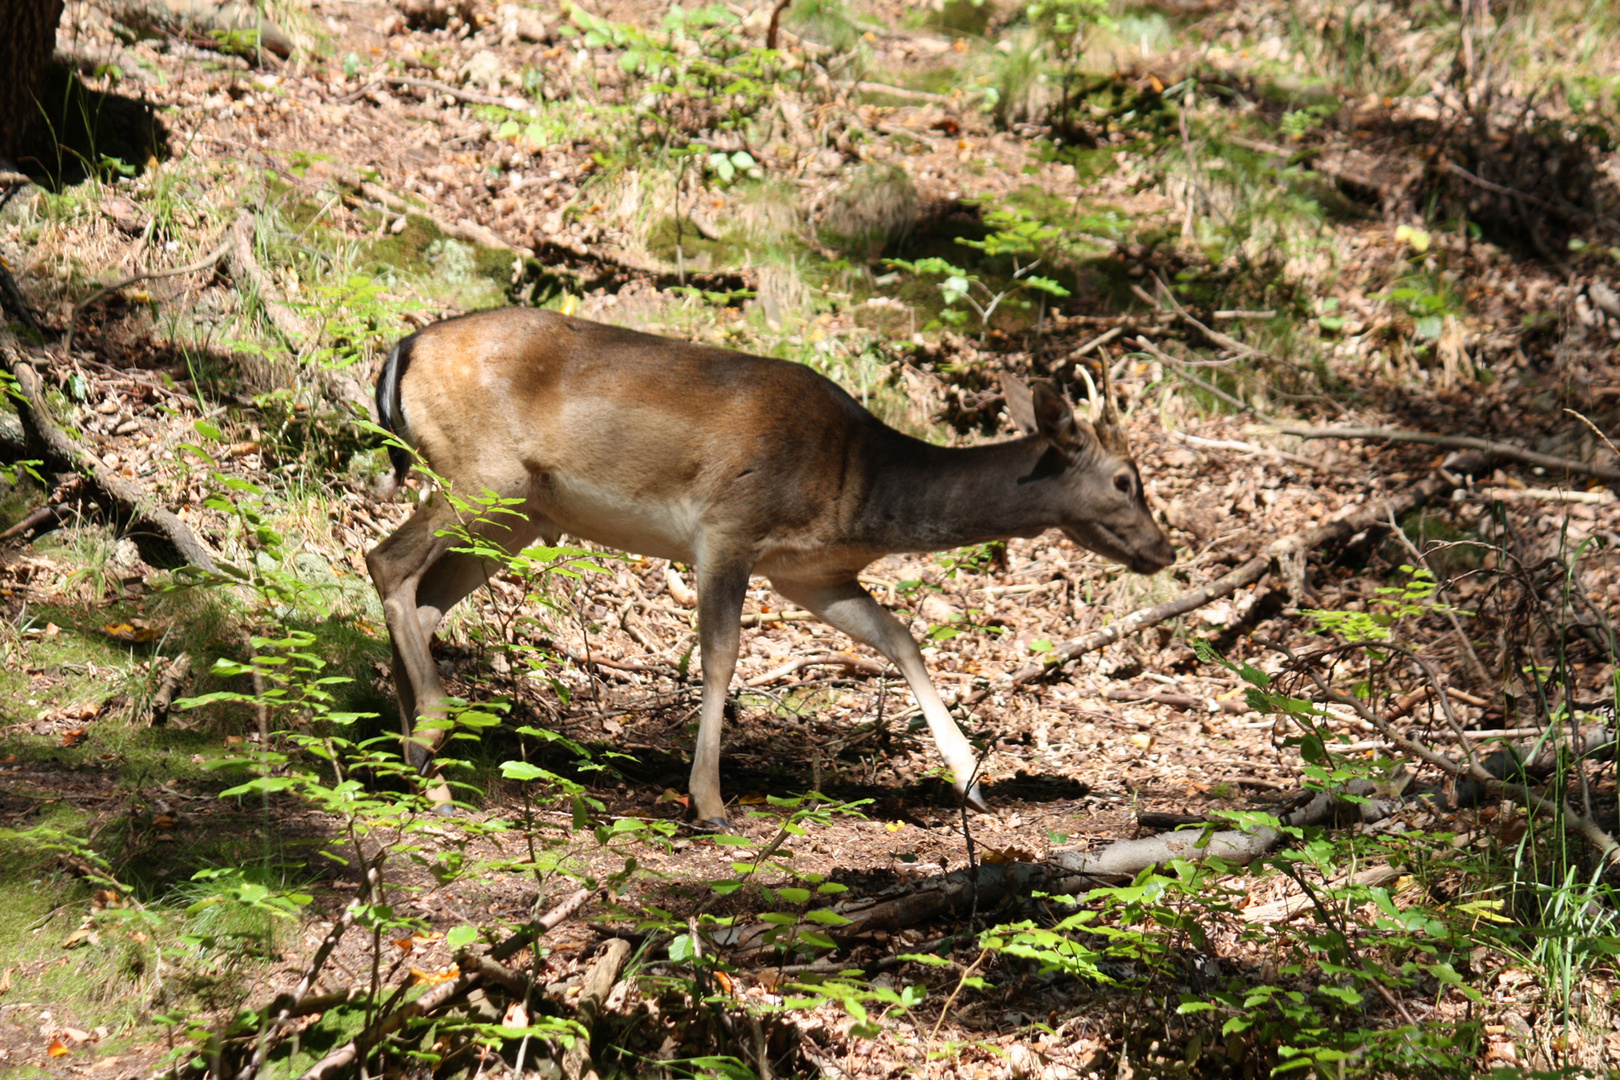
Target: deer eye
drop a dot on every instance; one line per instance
(1122, 484)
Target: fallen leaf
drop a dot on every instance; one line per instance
(57, 1048)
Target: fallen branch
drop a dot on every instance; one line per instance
(1180, 701)
(473, 967)
(844, 660)
(902, 93)
(1450, 442)
(576, 1062)
(1070, 872)
(470, 97)
(150, 275)
(340, 388)
(38, 518)
(147, 522)
(1292, 547)
(296, 1003)
(174, 676)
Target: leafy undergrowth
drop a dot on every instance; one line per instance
(1386, 217)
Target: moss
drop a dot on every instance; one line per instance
(695, 250)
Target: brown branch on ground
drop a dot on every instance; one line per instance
(297, 1003)
(174, 677)
(1492, 447)
(473, 973)
(835, 659)
(593, 994)
(1294, 547)
(203, 263)
(342, 388)
(163, 538)
(39, 518)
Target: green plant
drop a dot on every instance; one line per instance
(1017, 237)
(1393, 604)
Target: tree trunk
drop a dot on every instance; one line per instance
(27, 38)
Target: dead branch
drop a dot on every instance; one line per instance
(1179, 701)
(174, 676)
(1450, 442)
(576, 1062)
(1071, 872)
(38, 518)
(469, 97)
(348, 1055)
(203, 263)
(296, 1004)
(1289, 906)
(836, 659)
(546, 923)
(473, 973)
(1295, 546)
(341, 388)
(1480, 773)
(148, 522)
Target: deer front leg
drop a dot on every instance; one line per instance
(850, 608)
(721, 591)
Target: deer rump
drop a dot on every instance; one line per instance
(732, 463)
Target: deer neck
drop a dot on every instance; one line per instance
(934, 498)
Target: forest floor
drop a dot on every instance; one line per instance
(1249, 233)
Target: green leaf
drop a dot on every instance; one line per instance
(826, 917)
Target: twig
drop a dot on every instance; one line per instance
(901, 92)
(190, 268)
(576, 1062)
(174, 675)
(471, 97)
(1180, 367)
(1588, 498)
(1607, 849)
(1250, 448)
(1451, 442)
(472, 974)
(546, 923)
(291, 1004)
(844, 660)
(42, 429)
(1293, 546)
(790, 615)
(40, 516)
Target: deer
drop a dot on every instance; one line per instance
(735, 465)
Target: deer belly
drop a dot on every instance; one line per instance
(654, 524)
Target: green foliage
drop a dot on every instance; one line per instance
(1015, 235)
(1392, 604)
(698, 55)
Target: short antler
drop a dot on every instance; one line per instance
(1109, 431)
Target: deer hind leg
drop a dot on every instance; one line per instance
(721, 585)
(420, 579)
(846, 606)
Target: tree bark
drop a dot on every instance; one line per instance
(27, 38)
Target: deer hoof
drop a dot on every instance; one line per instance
(714, 824)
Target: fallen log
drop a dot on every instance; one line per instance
(162, 537)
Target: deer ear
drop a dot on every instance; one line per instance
(1020, 405)
(1054, 419)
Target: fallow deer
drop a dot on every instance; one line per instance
(732, 463)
